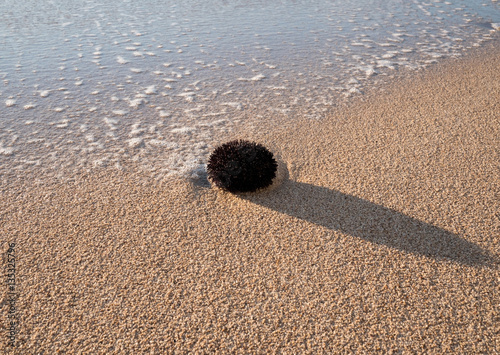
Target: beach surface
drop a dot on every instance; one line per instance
(383, 237)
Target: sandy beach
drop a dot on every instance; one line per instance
(382, 238)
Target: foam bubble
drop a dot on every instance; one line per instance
(257, 77)
(136, 130)
(10, 102)
(370, 71)
(63, 124)
(385, 63)
(110, 122)
(6, 150)
(136, 102)
(150, 90)
(135, 142)
(29, 106)
(188, 96)
(235, 105)
(121, 60)
(163, 144)
(120, 112)
(183, 130)
(388, 55)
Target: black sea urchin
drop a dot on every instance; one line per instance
(241, 166)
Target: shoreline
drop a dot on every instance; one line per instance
(383, 237)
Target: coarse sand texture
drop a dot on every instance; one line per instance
(383, 237)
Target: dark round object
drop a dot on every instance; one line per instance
(241, 166)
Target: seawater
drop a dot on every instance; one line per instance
(98, 84)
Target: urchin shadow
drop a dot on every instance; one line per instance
(375, 223)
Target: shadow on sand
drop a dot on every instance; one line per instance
(366, 220)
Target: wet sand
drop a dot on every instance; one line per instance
(383, 238)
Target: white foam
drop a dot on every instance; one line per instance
(110, 122)
(370, 71)
(6, 150)
(121, 60)
(386, 44)
(135, 142)
(150, 90)
(120, 112)
(164, 114)
(188, 96)
(63, 124)
(10, 102)
(388, 55)
(136, 70)
(496, 26)
(136, 130)
(59, 109)
(235, 105)
(277, 87)
(136, 102)
(257, 77)
(183, 130)
(164, 144)
(385, 63)
(177, 75)
(99, 163)
(29, 106)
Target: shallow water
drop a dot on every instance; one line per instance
(106, 83)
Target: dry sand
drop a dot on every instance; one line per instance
(383, 239)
